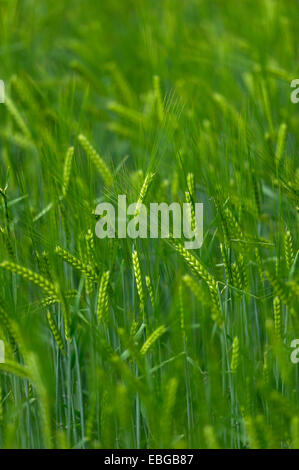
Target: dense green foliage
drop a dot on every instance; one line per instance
(121, 343)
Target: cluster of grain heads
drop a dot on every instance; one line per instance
(97, 161)
(48, 301)
(138, 278)
(235, 355)
(67, 170)
(26, 273)
(152, 339)
(102, 304)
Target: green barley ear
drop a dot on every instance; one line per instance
(133, 329)
(16, 115)
(102, 305)
(9, 328)
(235, 355)
(192, 213)
(67, 170)
(150, 289)
(90, 244)
(92, 410)
(138, 278)
(123, 405)
(193, 286)
(277, 316)
(47, 267)
(210, 437)
(191, 185)
(279, 288)
(152, 339)
(191, 261)
(190, 197)
(85, 269)
(56, 334)
(143, 192)
(282, 131)
(243, 272)
(169, 407)
(158, 97)
(96, 160)
(129, 114)
(8, 242)
(121, 83)
(204, 274)
(66, 313)
(13, 367)
(90, 258)
(289, 250)
(37, 279)
(217, 315)
(234, 228)
(47, 301)
(236, 278)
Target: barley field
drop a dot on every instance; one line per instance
(122, 343)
